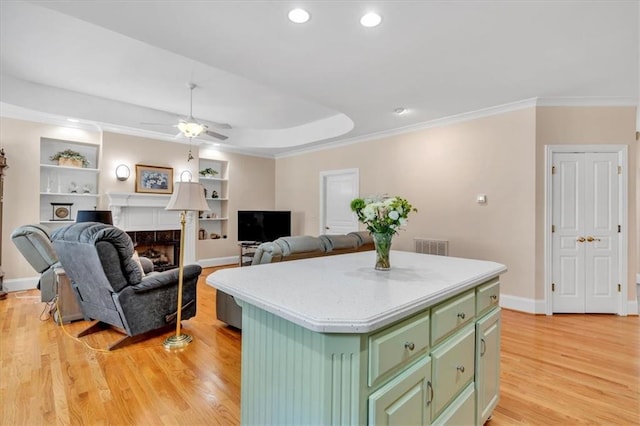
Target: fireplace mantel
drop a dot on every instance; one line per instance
(134, 211)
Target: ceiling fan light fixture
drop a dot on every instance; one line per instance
(298, 16)
(190, 129)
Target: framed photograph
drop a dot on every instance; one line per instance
(154, 179)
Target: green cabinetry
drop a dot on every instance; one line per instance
(439, 365)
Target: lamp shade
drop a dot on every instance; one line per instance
(188, 196)
(101, 216)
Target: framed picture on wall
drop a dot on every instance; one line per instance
(154, 179)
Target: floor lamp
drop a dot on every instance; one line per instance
(187, 196)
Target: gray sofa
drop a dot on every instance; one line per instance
(292, 248)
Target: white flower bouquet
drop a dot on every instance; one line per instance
(383, 215)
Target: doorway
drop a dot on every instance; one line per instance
(337, 189)
(586, 244)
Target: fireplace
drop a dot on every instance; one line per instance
(161, 247)
(145, 219)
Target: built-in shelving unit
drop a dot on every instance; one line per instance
(212, 225)
(64, 190)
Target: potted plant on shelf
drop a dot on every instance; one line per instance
(70, 158)
(208, 172)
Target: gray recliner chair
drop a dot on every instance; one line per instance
(110, 285)
(34, 243)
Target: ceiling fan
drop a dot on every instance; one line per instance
(191, 128)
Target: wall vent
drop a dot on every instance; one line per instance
(431, 246)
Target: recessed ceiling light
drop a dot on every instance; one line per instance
(73, 120)
(370, 19)
(299, 16)
(400, 110)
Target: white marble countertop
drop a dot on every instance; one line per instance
(345, 294)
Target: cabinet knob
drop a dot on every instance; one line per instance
(493, 297)
(462, 315)
(460, 368)
(409, 345)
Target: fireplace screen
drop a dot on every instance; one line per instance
(161, 247)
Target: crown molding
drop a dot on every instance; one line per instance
(621, 101)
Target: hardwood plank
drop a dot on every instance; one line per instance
(559, 370)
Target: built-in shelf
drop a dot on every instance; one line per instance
(218, 206)
(57, 181)
(57, 222)
(213, 179)
(74, 169)
(69, 194)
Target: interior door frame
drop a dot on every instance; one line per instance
(622, 152)
(323, 191)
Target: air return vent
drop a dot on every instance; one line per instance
(431, 246)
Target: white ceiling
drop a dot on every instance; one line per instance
(285, 87)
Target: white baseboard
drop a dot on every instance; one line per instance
(532, 306)
(522, 304)
(218, 261)
(20, 284)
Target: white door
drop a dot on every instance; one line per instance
(337, 189)
(585, 232)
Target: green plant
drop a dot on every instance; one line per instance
(73, 155)
(208, 171)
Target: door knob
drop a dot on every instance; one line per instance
(590, 239)
(326, 227)
(581, 239)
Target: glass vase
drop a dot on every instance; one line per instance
(382, 243)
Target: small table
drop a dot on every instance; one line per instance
(247, 250)
(67, 307)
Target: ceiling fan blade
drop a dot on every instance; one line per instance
(216, 135)
(158, 124)
(225, 126)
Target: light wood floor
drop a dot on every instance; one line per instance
(560, 370)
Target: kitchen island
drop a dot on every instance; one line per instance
(330, 340)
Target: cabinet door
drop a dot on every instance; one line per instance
(453, 368)
(461, 412)
(487, 364)
(404, 400)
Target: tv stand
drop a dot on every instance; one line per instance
(247, 250)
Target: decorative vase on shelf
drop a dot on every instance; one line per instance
(382, 242)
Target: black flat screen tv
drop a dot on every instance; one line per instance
(263, 225)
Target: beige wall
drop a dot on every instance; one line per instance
(585, 126)
(251, 179)
(251, 187)
(440, 171)
(21, 142)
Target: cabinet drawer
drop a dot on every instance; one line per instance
(460, 412)
(487, 296)
(393, 346)
(451, 315)
(453, 367)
